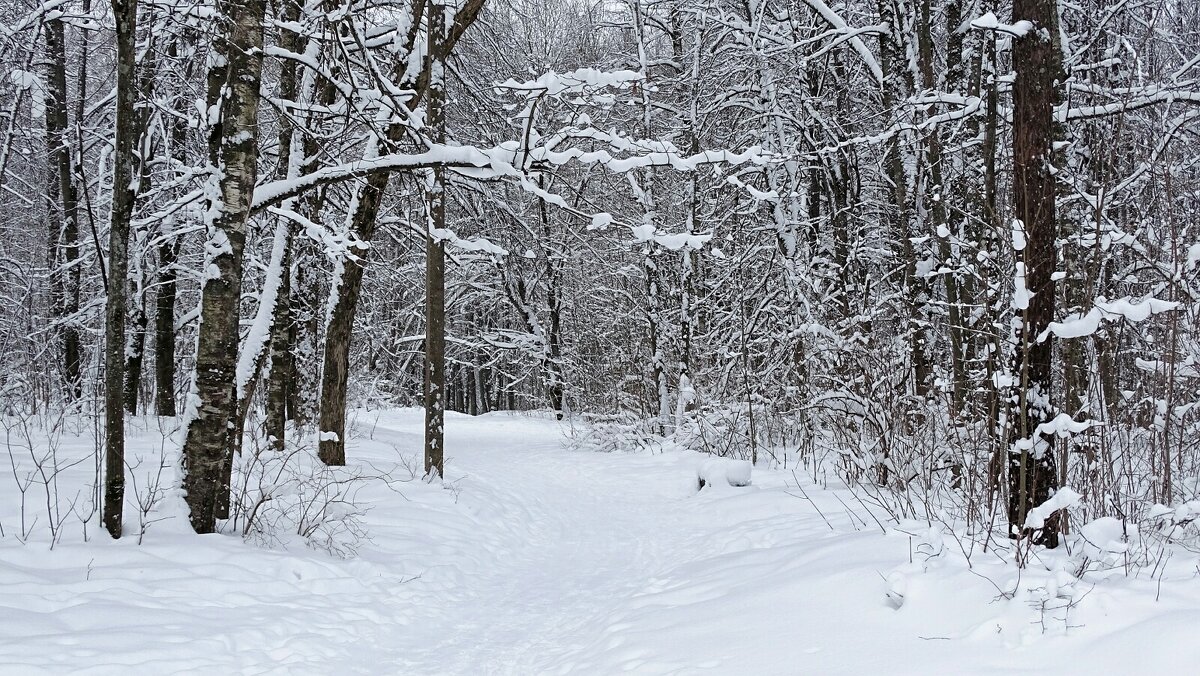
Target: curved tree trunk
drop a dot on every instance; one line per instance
(347, 286)
(334, 374)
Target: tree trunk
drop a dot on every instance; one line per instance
(335, 373)
(1037, 62)
(303, 337)
(63, 211)
(281, 363)
(897, 83)
(937, 194)
(207, 447)
(348, 284)
(435, 261)
(125, 14)
(167, 282)
(278, 377)
(164, 329)
(556, 387)
(135, 346)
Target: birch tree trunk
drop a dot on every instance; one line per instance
(207, 446)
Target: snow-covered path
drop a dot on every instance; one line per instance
(565, 536)
(536, 559)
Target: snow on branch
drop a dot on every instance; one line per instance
(1062, 499)
(492, 163)
(1077, 325)
(989, 22)
(860, 47)
(475, 244)
(574, 82)
(1150, 97)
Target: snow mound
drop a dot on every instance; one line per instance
(723, 472)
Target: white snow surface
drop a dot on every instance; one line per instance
(536, 558)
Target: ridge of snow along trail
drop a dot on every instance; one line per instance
(537, 558)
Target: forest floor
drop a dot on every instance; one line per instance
(537, 558)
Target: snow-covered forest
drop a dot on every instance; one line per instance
(561, 336)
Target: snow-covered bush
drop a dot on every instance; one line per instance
(290, 496)
(615, 432)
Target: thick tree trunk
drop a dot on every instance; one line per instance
(207, 446)
(1038, 64)
(125, 14)
(335, 373)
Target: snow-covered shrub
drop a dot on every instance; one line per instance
(615, 432)
(720, 430)
(281, 497)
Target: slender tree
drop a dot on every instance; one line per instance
(1037, 61)
(125, 13)
(435, 256)
(63, 203)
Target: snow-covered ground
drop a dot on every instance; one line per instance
(536, 559)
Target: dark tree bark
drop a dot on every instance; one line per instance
(303, 337)
(207, 446)
(335, 374)
(166, 283)
(897, 84)
(164, 329)
(936, 193)
(278, 378)
(281, 363)
(555, 384)
(125, 13)
(332, 417)
(63, 211)
(435, 258)
(135, 346)
(1037, 61)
